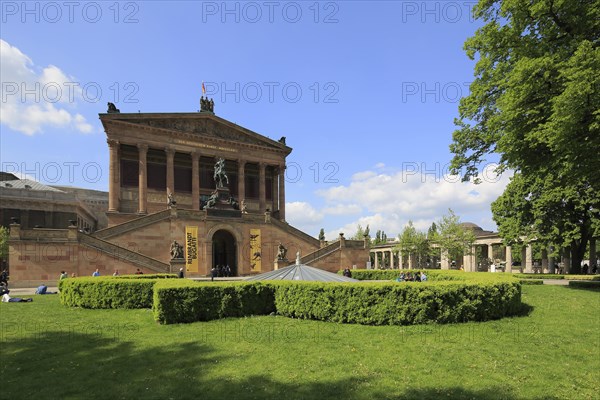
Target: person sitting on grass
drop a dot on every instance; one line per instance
(43, 289)
(423, 276)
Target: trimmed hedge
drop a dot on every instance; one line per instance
(396, 304)
(531, 281)
(145, 276)
(557, 276)
(386, 303)
(585, 284)
(392, 274)
(106, 292)
(188, 301)
(455, 297)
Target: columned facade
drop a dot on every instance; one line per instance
(195, 181)
(281, 192)
(154, 155)
(142, 179)
(114, 182)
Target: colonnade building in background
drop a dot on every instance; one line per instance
(488, 253)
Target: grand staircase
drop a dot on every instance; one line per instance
(121, 253)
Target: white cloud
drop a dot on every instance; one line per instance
(303, 216)
(33, 101)
(391, 200)
(343, 209)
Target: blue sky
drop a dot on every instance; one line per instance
(365, 92)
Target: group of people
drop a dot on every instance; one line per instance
(409, 277)
(221, 271)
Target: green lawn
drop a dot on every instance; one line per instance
(51, 351)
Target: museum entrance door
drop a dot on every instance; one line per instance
(224, 252)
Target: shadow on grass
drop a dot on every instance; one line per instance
(524, 310)
(491, 393)
(76, 365)
(586, 286)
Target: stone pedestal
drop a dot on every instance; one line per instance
(280, 263)
(177, 263)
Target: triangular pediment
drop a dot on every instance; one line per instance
(204, 127)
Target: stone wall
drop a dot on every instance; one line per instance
(35, 262)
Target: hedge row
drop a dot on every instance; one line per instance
(557, 276)
(188, 301)
(531, 281)
(391, 274)
(106, 292)
(585, 284)
(475, 297)
(145, 276)
(362, 303)
(393, 304)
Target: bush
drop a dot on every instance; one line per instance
(531, 281)
(557, 276)
(539, 276)
(387, 303)
(187, 301)
(589, 284)
(391, 274)
(145, 276)
(398, 304)
(107, 292)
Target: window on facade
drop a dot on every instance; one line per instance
(183, 180)
(129, 173)
(157, 176)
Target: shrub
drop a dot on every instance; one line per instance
(391, 274)
(398, 304)
(145, 276)
(589, 284)
(386, 303)
(531, 281)
(187, 301)
(539, 276)
(107, 292)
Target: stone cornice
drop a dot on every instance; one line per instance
(115, 122)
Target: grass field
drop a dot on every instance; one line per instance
(51, 351)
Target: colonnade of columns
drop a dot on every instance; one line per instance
(115, 179)
(391, 256)
(469, 261)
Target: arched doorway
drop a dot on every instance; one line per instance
(224, 251)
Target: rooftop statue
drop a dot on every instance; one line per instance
(112, 108)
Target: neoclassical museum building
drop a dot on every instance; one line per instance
(186, 190)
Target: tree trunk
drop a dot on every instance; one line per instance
(578, 248)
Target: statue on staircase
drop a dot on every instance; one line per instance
(176, 250)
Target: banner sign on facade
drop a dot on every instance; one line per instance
(191, 248)
(255, 250)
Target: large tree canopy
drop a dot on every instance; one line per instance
(535, 101)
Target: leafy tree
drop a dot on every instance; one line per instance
(322, 234)
(535, 101)
(360, 233)
(453, 237)
(4, 234)
(565, 217)
(413, 242)
(432, 231)
(380, 237)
